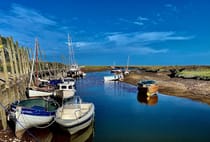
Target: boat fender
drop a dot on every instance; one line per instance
(8, 117)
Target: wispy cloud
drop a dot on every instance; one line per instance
(30, 16)
(161, 36)
(143, 42)
(149, 50)
(25, 24)
(21, 19)
(138, 23)
(145, 37)
(140, 20)
(171, 7)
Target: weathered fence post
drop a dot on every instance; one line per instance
(19, 59)
(3, 113)
(14, 57)
(10, 57)
(4, 62)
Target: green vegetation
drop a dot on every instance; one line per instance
(94, 68)
(194, 73)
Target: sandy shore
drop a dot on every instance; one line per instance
(189, 88)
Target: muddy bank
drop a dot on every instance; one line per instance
(189, 88)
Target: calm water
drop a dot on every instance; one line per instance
(122, 115)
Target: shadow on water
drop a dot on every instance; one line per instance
(57, 134)
(148, 100)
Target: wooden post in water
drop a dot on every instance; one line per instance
(14, 92)
(2, 111)
(27, 60)
(14, 57)
(23, 59)
(4, 62)
(10, 57)
(18, 58)
(10, 91)
(3, 59)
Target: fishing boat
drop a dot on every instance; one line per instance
(66, 90)
(149, 87)
(32, 113)
(55, 82)
(32, 93)
(41, 87)
(75, 115)
(74, 68)
(116, 70)
(114, 77)
(69, 80)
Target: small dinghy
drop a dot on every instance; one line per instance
(76, 115)
(149, 87)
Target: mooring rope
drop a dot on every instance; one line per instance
(14, 119)
(42, 127)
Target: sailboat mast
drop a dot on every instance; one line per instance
(32, 68)
(127, 62)
(71, 51)
(69, 46)
(36, 47)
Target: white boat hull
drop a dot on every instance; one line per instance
(67, 118)
(113, 77)
(68, 93)
(25, 121)
(75, 129)
(36, 93)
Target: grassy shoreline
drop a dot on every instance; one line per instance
(183, 81)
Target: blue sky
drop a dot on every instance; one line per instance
(150, 32)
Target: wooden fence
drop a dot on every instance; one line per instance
(15, 68)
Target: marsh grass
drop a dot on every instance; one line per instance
(195, 73)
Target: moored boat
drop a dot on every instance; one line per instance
(75, 116)
(66, 90)
(115, 77)
(150, 87)
(31, 93)
(32, 113)
(74, 68)
(69, 80)
(41, 87)
(148, 100)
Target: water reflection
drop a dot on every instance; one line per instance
(118, 88)
(85, 135)
(57, 134)
(112, 88)
(149, 100)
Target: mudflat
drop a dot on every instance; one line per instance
(189, 88)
